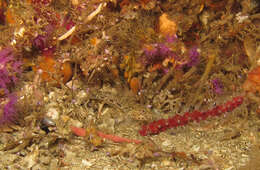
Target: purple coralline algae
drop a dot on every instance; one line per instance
(10, 68)
(157, 54)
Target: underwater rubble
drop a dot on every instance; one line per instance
(130, 84)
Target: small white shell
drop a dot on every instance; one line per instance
(67, 34)
(53, 114)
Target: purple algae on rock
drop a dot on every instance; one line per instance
(10, 69)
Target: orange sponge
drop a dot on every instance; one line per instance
(54, 71)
